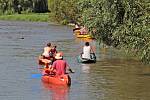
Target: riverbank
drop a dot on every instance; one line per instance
(33, 17)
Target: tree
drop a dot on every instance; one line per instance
(40, 6)
(13, 6)
(63, 11)
(120, 23)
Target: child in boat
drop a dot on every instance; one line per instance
(54, 51)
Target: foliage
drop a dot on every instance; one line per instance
(26, 6)
(40, 6)
(63, 10)
(134, 34)
(121, 23)
(6, 7)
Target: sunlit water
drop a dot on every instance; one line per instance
(111, 78)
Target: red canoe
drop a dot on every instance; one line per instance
(57, 80)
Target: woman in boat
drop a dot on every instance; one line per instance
(87, 50)
(60, 66)
(45, 58)
(47, 51)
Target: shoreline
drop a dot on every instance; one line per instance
(31, 17)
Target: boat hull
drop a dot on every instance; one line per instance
(64, 80)
(43, 60)
(84, 36)
(79, 35)
(83, 60)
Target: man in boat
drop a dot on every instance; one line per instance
(87, 50)
(60, 66)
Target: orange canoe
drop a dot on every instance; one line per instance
(57, 80)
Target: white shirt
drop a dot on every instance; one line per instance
(76, 26)
(46, 52)
(86, 52)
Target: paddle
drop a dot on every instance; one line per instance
(71, 71)
(36, 75)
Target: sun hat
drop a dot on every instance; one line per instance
(59, 55)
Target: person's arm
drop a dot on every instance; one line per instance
(53, 66)
(69, 69)
(92, 51)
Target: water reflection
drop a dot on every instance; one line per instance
(85, 68)
(83, 40)
(57, 92)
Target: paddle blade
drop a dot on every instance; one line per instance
(36, 76)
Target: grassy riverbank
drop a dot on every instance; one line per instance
(34, 17)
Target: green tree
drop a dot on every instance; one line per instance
(13, 6)
(40, 6)
(6, 6)
(63, 11)
(121, 23)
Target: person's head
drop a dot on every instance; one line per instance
(54, 46)
(49, 44)
(81, 26)
(87, 44)
(59, 56)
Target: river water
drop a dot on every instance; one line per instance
(111, 78)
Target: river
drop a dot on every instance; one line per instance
(111, 78)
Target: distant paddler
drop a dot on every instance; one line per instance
(77, 27)
(83, 30)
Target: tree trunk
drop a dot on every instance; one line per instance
(40, 6)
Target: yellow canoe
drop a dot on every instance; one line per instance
(79, 35)
(76, 32)
(84, 36)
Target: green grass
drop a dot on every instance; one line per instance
(34, 17)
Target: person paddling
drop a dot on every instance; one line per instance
(45, 57)
(60, 66)
(87, 50)
(47, 50)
